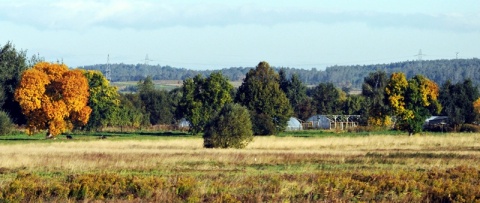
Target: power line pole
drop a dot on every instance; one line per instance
(107, 70)
(419, 55)
(146, 59)
(456, 55)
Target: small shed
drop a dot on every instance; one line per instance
(320, 122)
(294, 124)
(436, 121)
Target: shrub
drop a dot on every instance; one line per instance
(360, 129)
(470, 128)
(373, 130)
(439, 128)
(231, 127)
(263, 124)
(5, 123)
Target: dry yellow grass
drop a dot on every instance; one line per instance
(271, 169)
(294, 154)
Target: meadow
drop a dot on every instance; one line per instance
(159, 84)
(293, 167)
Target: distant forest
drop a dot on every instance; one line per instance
(352, 76)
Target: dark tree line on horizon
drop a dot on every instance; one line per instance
(440, 71)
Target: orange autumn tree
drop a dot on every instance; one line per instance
(476, 107)
(53, 98)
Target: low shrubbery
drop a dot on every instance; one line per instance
(6, 124)
(459, 184)
(439, 128)
(359, 129)
(470, 128)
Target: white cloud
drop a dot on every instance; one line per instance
(144, 14)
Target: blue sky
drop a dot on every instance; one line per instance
(213, 34)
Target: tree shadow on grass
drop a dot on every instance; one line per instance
(166, 134)
(19, 139)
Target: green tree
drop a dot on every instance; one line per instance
(146, 85)
(376, 109)
(231, 127)
(297, 91)
(269, 106)
(202, 98)
(457, 102)
(175, 96)
(12, 65)
(104, 100)
(354, 105)
(294, 89)
(306, 108)
(6, 124)
(283, 80)
(412, 101)
(327, 99)
(155, 102)
(157, 105)
(130, 113)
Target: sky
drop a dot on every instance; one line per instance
(215, 34)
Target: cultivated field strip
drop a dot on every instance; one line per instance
(380, 168)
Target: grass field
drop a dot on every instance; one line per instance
(159, 84)
(296, 167)
(162, 84)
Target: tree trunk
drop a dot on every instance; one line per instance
(49, 135)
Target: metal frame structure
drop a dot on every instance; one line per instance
(336, 122)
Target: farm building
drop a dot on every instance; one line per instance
(294, 124)
(332, 122)
(183, 123)
(436, 121)
(319, 122)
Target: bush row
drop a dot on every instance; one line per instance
(458, 184)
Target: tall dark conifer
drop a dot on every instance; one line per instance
(269, 106)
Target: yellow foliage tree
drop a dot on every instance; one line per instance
(54, 98)
(395, 90)
(476, 106)
(412, 101)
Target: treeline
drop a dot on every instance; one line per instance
(47, 96)
(386, 101)
(130, 72)
(439, 71)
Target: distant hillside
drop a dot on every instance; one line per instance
(342, 76)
